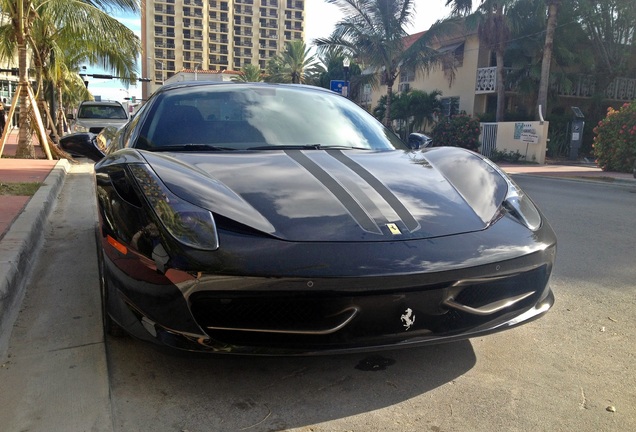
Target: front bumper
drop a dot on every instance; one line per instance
(303, 316)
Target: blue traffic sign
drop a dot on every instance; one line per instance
(337, 85)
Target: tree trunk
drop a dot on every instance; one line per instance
(544, 83)
(25, 148)
(499, 54)
(389, 96)
(501, 87)
(60, 112)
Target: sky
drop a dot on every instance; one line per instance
(320, 19)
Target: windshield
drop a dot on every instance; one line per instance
(260, 117)
(102, 112)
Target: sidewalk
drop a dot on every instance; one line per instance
(573, 171)
(22, 219)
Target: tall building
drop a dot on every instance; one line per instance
(214, 34)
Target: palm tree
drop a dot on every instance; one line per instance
(83, 34)
(424, 106)
(373, 33)
(295, 65)
(76, 16)
(495, 29)
(414, 109)
(544, 83)
(250, 73)
(333, 70)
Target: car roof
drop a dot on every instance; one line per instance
(114, 103)
(183, 84)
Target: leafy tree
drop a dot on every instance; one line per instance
(250, 73)
(334, 71)
(494, 28)
(57, 45)
(460, 130)
(615, 140)
(295, 65)
(30, 20)
(548, 46)
(373, 32)
(414, 110)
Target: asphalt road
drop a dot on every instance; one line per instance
(559, 373)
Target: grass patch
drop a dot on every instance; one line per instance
(19, 189)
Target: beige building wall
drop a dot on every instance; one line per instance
(214, 35)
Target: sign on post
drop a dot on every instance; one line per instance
(338, 86)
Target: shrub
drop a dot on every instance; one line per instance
(459, 130)
(615, 140)
(506, 156)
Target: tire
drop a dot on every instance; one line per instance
(111, 328)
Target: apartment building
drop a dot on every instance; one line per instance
(214, 35)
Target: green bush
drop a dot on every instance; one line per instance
(506, 156)
(460, 130)
(615, 140)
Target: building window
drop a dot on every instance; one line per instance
(450, 106)
(407, 74)
(453, 55)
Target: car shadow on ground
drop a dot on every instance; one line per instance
(269, 393)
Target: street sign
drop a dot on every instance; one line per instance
(337, 85)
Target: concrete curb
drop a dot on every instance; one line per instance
(19, 248)
(581, 178)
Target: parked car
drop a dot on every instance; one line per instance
(93, 116)
(419, 140)
(284, 219)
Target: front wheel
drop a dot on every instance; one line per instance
(110, 327)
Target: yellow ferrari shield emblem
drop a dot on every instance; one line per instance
(393, 228)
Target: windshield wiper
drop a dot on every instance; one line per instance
(307, 147)
(287, 147)
(189, 147)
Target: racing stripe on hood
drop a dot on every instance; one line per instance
(357, 212)
(409, 220)
(358, 203)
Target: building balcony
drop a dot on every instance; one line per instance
(583, 86)
(243, 11)
(244, 44)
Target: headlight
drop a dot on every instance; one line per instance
(79, 128)
(517, 202)
(189, 224)
(521, 207)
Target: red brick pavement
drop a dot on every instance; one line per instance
(18, 171)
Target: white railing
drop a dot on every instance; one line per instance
(620, 89)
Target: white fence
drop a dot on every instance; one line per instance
(527, 138)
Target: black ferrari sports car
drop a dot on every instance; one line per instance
(284, 219)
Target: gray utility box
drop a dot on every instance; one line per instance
(576, 137)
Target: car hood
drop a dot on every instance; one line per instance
(333, 195)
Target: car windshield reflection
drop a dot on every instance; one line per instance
(261, 118)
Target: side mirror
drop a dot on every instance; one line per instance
(82, 144)
(70, 116)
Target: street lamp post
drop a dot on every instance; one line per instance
(345, 66)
